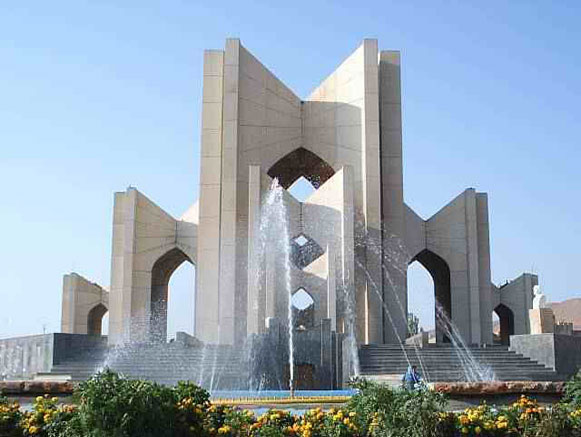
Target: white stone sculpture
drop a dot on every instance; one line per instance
(540, 300)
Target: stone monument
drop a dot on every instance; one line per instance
(542, 318)
(351, 240)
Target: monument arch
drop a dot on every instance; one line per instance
(161, 273)
(301, 162)
(95, 319)
(345, 138)
(506, 322)
(439, 270)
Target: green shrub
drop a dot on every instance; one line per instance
(556, 421)
(573, 391)
(187, 389)
(10, 417)
(384, 411)
(113, 406)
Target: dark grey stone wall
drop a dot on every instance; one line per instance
(567, 354)
(561, 353)
(77, 346)
(317, 355)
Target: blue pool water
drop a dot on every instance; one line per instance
(243, 394)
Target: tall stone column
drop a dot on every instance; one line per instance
(395, 257)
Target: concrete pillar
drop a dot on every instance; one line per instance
(326, 354)
(256, 287)
(207, 273)
(351, 301)
(393, 207)
(331, 288)
(372, 191)
(120, 317)
(473, 266)
(228, 222)
(484, 275)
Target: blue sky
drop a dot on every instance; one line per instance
(96, 96)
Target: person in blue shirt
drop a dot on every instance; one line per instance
(411, 378)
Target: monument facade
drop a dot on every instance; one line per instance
(352, 239)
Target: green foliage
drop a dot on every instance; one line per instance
(113, 406)
(10, 417)
(573, 390)
(187, 389)
(413, 325)
(383, 411)
(556, 421)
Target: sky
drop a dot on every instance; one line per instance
(98, 96)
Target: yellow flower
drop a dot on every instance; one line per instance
(477, 430)
(224, 429)
(464, 430)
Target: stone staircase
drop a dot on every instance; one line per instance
(210, 366)
(441, 363)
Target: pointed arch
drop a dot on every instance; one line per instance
(440, 273)
(95, 319)
(301, 162)
(161, 273)
(506, 319)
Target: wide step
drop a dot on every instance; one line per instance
(444, 363)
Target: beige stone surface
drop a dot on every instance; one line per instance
(346, 138)
(542, 320)
(84, 304)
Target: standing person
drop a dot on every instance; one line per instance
(411, 378)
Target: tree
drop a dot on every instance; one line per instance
(413, 325)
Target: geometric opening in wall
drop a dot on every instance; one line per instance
(301, 300)
(301, 189)
(301, 240)
(304, 250)
(303, 309)
(301, 162)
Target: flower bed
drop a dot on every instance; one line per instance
(108, 405)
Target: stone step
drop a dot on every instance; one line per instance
(441, 363)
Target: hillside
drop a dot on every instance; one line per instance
(568, 311)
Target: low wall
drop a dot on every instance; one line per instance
(23, 357)
(561, 353)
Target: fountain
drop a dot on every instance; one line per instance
(394, 258)
(274, 226)
(474, 371)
